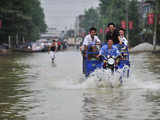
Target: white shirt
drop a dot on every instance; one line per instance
(124, 40)
(88, 40)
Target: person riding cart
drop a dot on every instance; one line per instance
(109, 52)
(90, 44)
(113, 33)
(109, 49)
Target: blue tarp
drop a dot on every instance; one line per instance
(91, 65)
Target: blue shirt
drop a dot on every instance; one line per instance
(112, 52)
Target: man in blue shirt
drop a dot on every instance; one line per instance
(109, 49)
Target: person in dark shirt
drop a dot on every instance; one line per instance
(113, 33)
(52, 49)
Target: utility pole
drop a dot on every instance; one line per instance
(155, 25)
(9, 41)
(103, 32)
(127, 29)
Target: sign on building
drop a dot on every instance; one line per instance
(123, 24)
(150, 18)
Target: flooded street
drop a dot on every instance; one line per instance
(32, 88)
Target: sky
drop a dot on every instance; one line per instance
(62, 13)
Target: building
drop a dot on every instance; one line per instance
(148, 7)
(51, 33)
(148, 10)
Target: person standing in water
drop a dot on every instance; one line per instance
(52, 49)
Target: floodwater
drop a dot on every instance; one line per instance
(32, 88)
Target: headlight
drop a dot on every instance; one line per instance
(111, 61)
(126, 67)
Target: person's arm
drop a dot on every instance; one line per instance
(117, 52)
(120, 41)
(98, 41)
(83, 47)
(85, 43)
(117, 56)
(101, 52)
(49, 49)
(125, 41)
(56, 47)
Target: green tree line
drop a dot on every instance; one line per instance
(22, 19)
(158, 27)
(115, 11)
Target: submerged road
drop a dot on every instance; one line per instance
(32, 88)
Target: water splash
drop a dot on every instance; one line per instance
(141, 81)
(100, 78)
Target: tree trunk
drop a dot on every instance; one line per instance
(155, 26)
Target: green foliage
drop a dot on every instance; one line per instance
(91, 19)
(24, 17)
(114, 11)
(158, 26)
(133, 14)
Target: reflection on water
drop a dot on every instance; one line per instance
(12, 88)
(120, 105)
(154, 63)
(32, 88)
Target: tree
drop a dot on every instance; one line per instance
(134, 15)
(115, 11)
(112, 11)
(158, 25)
(91, 19)
(22, 18)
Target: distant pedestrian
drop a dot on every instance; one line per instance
(52, 50)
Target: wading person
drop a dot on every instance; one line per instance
(52, 49)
